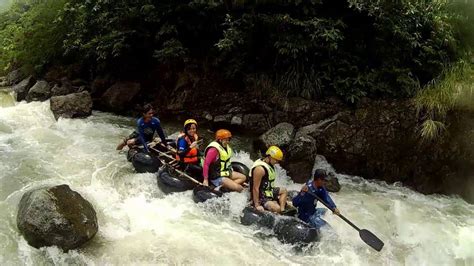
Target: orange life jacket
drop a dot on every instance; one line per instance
(191, 157)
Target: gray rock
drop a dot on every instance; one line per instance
(72, 105)
(299, 159)
(99, 86)
(14, 77)
(332, 183)
(21, 89)
(207, 116)
(59, 90)
(223, 118)
(56, 216)
(120, 95)
(41, 91)
(236, 120)
(83, 88)
(302, 148)
(258, 123)
(299, 171)
(65, 87)
(281, 135)
(78, 82)
(315, 129)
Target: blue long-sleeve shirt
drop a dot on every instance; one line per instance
(306, 203)
(146, 130)
(183, 146)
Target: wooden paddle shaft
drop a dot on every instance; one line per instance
(178, 171)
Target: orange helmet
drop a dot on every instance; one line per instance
(223, 134)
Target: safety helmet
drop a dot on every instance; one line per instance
(275, 153)
(190, 121)
(223, 134)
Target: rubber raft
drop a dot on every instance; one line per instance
(287, 229)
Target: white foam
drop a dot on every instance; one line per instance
(138, 224)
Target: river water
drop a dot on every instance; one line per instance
(139, 225)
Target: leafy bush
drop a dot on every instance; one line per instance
(454, 89)
(313, 49)
(30, 35)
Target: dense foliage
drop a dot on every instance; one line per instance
(313, 48)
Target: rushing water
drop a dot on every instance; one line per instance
(138, 224)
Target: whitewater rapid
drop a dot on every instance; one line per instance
(139, 225)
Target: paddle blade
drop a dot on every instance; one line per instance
(371, 240)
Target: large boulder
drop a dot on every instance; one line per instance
(21, 89)
(281, 135)
(99, 86)
(41, 91)
(62, 88)
(119, 96)
(332, 183)
(14, 77)
(381, 140)
(300, 157)
(257, 123)
(72, 105)
(56, 216)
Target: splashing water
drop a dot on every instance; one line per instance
(138, 224)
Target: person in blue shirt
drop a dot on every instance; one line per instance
(147, 125)
(306, 203)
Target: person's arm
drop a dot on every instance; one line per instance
(211, 157)
(298, 200)
(160, 132)
(324, 195)
(141, 135)
(182, 148)
(257, 175)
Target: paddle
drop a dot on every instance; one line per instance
(368, 237)
(182, 173)
(177, 171)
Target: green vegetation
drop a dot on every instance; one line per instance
(312, 48)
(454, 89)
(30, 34)
(4, 5)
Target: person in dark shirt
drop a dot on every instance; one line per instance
(306, 203)
(147, 125)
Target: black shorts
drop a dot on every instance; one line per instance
(133, 136)
(276, 193)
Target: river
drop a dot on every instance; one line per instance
(139, 225)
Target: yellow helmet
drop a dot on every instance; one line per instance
(190, 121)
(275, 153)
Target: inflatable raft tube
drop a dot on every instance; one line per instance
(144, 163)
(201, 193)
(289, 230)
(169, 182)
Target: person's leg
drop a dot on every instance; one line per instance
(216, 182)
(238, 177)
(131, 142)
(315, 220)
(282, 196)
(232, 185)
(121, 145)
(272, 206)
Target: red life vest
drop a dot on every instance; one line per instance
(191, 157)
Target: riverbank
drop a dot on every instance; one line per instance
(376, 139)
(139, 224)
